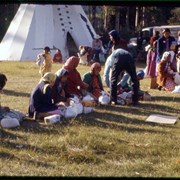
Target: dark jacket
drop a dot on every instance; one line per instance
(41, 99)
(161, 45)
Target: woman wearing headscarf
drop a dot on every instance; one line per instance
(151, 64)
(165, 75)
(93, 78)
(75, 85)
(41, 103)
(59, 90)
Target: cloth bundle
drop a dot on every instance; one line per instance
(11, 119)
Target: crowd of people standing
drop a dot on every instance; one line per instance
(163, 60)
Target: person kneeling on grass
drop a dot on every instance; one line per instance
(41, 103)
(9, 118)
(126, 85)
(3, 80)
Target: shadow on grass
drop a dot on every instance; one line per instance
(125, 124)
(37, 127)
(145, 109)
(121, 117)
(115, 117)
(166, 98)
(14, 93)
(6, 155)
(9, 135)
(24, 146)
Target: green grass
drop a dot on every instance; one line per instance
(112, 141)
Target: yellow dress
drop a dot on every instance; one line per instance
(46, 65)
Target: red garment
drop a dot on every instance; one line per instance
(95, 70)
(169, 84)
(57, 58)
(71, 63)
(96, 90)
(74, 78)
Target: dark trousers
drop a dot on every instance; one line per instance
(124, 62)
(96, 55)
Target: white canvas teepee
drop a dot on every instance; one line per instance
(36, 26)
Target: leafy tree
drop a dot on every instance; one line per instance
(175, 16)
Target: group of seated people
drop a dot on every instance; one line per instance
(54, 90)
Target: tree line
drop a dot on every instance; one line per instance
(128, 20)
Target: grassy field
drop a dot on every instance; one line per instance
(112, 141)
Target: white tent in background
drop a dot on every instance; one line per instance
(35, 26)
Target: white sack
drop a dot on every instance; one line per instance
(52, 119)
(8, 122)
(176, 89)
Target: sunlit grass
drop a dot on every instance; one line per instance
(112, 141)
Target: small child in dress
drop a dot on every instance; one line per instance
(45, 63)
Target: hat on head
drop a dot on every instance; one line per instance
(97, 36)
(140, 73)
(166, 30)
(49, 77)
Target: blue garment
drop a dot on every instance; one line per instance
(41, 99)
(109, 64)
(126, 81)
(107, 69)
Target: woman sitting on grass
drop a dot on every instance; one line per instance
(41, 103)
(93, 78)
(7, 114)
(166, 72)
(3, 80)
(75, 85)
(59, 90)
